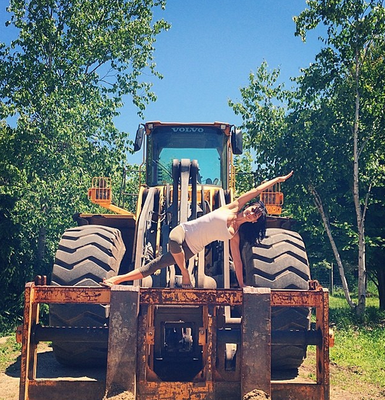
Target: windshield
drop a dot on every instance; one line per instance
(204, 144)
(208, 161)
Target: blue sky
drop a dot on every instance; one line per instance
(212, 47)
(209, 52)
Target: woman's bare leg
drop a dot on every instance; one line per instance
(180, 259)
(180, 251)
(146, 270)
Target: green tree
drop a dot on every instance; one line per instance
(353, 56)
(328, 129)
(63, 80)
(245, 176)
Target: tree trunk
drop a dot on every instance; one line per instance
(325, 220)
(381, 287)
(360, 214)
(41, 247)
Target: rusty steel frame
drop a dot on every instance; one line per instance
(32, 388)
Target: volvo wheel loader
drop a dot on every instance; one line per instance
(153, 339)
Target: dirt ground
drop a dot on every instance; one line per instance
(48, 367)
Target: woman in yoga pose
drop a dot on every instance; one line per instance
(189, 238)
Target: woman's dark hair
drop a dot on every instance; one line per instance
(255, 232)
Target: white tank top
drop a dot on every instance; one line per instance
(206, 229)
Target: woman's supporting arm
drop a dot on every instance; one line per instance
(237, 260)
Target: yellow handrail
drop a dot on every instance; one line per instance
(273, 199)
(100, 193)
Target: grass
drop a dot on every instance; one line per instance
(362, 352)
(358, 356)
(9, 351)
(359, 350)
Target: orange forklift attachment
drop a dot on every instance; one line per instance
(273, 200)
(134, 329)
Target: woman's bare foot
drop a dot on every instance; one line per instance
(116, 280)
(108, 282)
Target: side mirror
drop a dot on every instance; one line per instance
(139, 138)
(237, 141)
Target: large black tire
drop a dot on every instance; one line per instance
(86, 255)
(280, 262)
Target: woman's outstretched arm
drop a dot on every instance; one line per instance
(253, 193)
